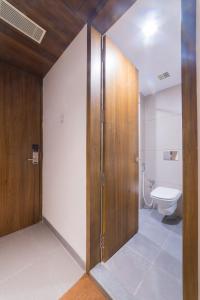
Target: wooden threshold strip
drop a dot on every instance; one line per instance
(85, 289)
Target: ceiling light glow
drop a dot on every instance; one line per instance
(150, 27)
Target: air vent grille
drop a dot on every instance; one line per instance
(164, 76)
(21, 22)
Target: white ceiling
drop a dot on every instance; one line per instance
(158, 54)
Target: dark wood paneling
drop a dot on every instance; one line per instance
(120, 166)
(190, 152)
(62, 26)
(63, 20)
(110, 12)
(93, 148)
(20, 127)
(89, 9)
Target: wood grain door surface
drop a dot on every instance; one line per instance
(20, 115)
(120, 192)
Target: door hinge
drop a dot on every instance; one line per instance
(102, 241)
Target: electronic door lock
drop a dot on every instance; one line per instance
(35, 154)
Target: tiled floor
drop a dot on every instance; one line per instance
(35, 266)
(149, 266)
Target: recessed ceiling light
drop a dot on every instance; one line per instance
(150, 27)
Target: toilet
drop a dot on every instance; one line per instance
(166, 199)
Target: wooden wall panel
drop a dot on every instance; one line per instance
(63, 20)
(93, 148)
(20, 127)
(120, 150)
(190, 154)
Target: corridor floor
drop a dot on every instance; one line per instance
(149, 266)
(35, 266)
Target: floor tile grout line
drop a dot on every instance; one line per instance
(152, 264)
(125, 287)
(28, 265)
(2, 282)
(139, 254)
(137, 289)
(115, 279)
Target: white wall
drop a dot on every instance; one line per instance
(64, 142)
(163, 131)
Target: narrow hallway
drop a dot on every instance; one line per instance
(35, 265)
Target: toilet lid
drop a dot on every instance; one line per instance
(165, 193)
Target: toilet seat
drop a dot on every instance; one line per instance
(167, 194)
(166, 199)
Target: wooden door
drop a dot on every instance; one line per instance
(120, 166)
(20, 115)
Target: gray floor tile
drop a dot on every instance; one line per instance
(155, 216)
(170, 264)
(110, 283)
(128, 267)
(173, 246)
(145, 247)
(158, 285)
(148, 267)
(153, 232)
(144, 214)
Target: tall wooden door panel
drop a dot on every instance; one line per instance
(20, 115)
(120, 192)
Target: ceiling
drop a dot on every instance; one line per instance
(158, 54)
(62, 19)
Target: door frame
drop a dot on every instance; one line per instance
(190, 152)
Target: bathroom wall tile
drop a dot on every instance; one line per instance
(168, 100)
(168, 132)
(163, 133)
(168, 171)
(141, 124)
(165, 173)
(150, 135)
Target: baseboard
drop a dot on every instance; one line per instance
(66, 245)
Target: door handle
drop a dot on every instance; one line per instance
(35, 154)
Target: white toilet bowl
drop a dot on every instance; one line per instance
(166, 200)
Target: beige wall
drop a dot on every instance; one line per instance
(64, 140)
